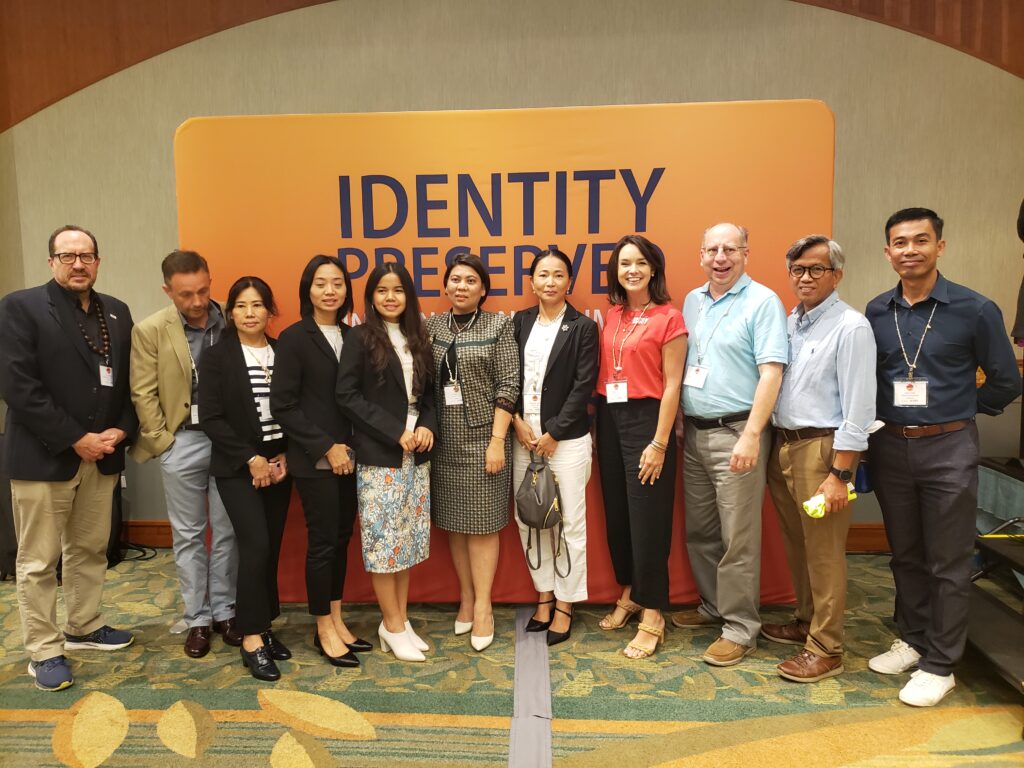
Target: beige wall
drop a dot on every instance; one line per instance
(917, 123)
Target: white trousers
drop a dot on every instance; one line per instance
(571, 464)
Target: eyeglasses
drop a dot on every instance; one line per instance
(815, 270)
(69, 258)
(728, 250)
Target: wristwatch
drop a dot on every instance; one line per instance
(845, 475)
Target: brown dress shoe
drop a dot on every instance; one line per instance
(794, 633)
(725, 653)
(807, 667)
(197, 642)
(228, 631)
(691, 618)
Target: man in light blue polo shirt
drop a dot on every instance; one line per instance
(737, 352)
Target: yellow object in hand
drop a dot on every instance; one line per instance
(815, 506)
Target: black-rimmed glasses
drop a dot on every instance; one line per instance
(815, 270)
(69, 258)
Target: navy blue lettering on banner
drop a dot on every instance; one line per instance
(561, 181)
(641, 199)
(419, 271)
(361, 260)
(520, 268)
(599, 266)
(528, 179)
(468, 191)
(424, 205)
(594, 179)
(453, 252)
(401, 201)
(381, 253)
(345, 206)
(485, 254)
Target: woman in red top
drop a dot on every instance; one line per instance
(643, 349)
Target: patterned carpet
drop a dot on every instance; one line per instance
(151, 705)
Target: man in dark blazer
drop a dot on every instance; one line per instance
(64, 376)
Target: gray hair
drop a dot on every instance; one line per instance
(801, 246)
(737, 227)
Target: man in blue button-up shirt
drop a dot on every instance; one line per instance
(822, 417)
(932, 336)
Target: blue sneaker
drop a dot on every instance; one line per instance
(105, 639)
(51, 674)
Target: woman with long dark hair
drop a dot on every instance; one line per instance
(248, 460)
(386, 389)
(643, 349)
(319, 452)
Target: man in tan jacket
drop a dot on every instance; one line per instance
(166, 348)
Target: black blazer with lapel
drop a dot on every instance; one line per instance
(302, 396)
(50, 381)
(571, 373)
(377, 404)
(227, 409)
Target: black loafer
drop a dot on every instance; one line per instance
(278, 650)
(260, 664)
(347, 659)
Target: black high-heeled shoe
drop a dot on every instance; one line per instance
(278, 650)
(359, 646)
(260, 664)
(347, 659)
(554, 638)
(535, 625)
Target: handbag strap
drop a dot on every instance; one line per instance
(530, 546)
(557, 545)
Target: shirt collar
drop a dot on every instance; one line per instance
(738, 286)
(214, 321)
(75, 300)
(940, 292)
(809, 318)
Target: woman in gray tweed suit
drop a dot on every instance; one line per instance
(476, 361)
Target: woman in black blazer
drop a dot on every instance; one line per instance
(558, 353)
(386, 388)
(249, 463)
(319, 456)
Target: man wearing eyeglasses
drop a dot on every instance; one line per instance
(734, 366)
(822, 418)
(932, 337)
(64, 375)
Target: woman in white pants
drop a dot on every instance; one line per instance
(558, 349)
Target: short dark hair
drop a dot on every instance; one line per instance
(551, 252)
(914, 214)
(658, 288)
(378, 343)
(73, 228)
(306, 282)
(475, 263)
(179, 262)
(257, 284)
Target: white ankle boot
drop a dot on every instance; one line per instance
(400, 644)
(418, 642)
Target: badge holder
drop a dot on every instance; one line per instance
(910, 393)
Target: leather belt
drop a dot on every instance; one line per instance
(806, 433)
(721, 421)
(928, 430)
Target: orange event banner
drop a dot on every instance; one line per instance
(261, 195)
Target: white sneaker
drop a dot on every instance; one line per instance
(926, 689)
(898, 659)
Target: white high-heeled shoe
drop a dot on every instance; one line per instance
(481, 643)
(462, 627)
(400, 644)
(418, 642)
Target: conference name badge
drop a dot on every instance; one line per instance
(695, 377)
(452, 394)
(910, 393)
(531, 403)
(617, 392)
(106, 376)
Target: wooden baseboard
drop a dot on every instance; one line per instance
(867, 537)
(863, 537)
(147, 533)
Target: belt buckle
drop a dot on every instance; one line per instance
(903, 432)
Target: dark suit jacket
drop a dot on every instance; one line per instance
(302, 396)
(51, 383)
(571, 373)
(377, 404)
(227, 410)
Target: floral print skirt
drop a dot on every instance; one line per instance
(394, 515)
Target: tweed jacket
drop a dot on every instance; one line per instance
(488, 364)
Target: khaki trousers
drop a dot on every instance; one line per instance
(53, 518)
(815, 549)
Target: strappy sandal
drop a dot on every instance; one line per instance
(535, 625)
(644, 653)
(631, 609)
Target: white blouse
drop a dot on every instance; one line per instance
(333, 335)
(401, 345)
(535, 363)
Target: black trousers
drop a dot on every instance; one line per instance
(329, 504)
(928, 490)
(258, 517)
(638, 517)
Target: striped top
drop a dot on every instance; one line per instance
(259, 361)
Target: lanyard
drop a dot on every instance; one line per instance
(911, 366)
(703, 348)
(453, 327)
(617, 364)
